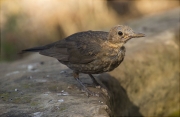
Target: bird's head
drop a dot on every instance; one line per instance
(121, 34)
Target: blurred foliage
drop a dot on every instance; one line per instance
(9, 51)
(175, 114)
(177, 37)
(8, 47)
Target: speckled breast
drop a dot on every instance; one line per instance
(103, 63)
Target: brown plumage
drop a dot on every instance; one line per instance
(90, 52)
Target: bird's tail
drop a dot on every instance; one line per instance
(38, 49)
(35, 49)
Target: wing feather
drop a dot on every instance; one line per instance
(79, 48)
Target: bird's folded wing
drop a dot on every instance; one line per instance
(73, 51)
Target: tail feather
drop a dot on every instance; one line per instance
(35, 49)
(38, 49)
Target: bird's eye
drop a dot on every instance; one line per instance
(120, 33)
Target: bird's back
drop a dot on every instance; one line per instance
(79, 48)
(89, 36)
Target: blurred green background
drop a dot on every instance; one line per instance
(28, 23)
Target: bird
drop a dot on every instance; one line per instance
(90, 52)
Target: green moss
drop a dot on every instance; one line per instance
(5, 96)
(27, 85)
(62, 109)
(53, 88)
(22, 100)
(34, 103)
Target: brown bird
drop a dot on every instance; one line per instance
(90, 52)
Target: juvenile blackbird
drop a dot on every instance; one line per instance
(90, 52)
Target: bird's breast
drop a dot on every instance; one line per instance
(104, 62)
(112, 61)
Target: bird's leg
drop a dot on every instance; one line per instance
(94, 80)
(76, 76)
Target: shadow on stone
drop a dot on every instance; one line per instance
(118, 101)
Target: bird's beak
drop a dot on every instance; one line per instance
(137, 35)
(134, 35)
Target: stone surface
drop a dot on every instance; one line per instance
(41, 86)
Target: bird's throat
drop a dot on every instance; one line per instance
(114, 45)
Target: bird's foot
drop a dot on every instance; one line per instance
(88, 92)
(97, 85)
